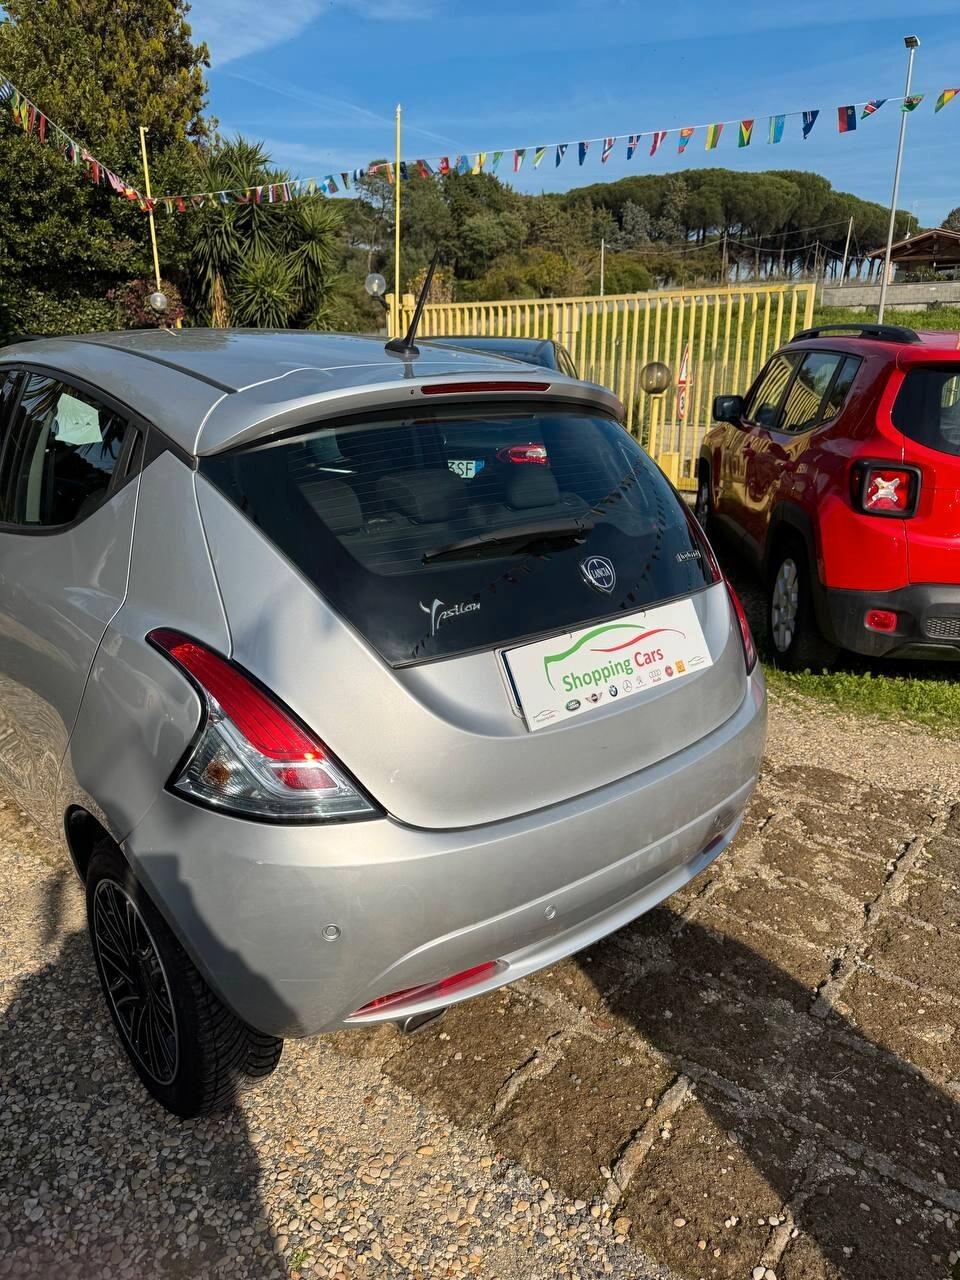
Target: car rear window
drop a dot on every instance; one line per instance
(927, 408)
(369, 511)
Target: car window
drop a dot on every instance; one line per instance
(763, 403)
(927, 408)
(566, 363)
(63, 449)
(840, 389)
(802, 407)
(400, 521)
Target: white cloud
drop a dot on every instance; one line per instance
(233, 29)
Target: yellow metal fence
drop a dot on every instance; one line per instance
(714, 340)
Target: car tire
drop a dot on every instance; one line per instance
(794, 640)
(703, 506)
(192, 1054)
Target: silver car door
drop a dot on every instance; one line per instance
(66, 525)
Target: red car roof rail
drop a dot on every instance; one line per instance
(882, 332)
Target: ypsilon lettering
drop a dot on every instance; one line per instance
(439, 613)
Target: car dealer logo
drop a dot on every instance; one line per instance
(598, 572)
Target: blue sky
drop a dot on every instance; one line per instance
(317, 81)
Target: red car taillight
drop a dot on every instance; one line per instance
(430, 990)
(251, 755)
(879, 489)
(746, 635)
(523, 453)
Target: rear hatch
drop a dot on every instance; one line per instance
(927, 410)
(514, 605)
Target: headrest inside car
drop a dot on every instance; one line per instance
(335, 503)
(425, 496)
(530, 485)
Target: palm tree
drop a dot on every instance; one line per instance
(263, 265)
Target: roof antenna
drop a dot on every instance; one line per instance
(404, 347)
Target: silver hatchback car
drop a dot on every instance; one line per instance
(355, 685)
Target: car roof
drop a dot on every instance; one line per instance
(475, 340)
(208, 388)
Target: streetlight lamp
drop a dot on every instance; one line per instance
(913, 44)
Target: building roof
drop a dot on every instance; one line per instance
(936, 245)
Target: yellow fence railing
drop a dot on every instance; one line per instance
(714, 340)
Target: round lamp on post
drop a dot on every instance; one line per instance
(157, 302)
(376, 286)
(655, 378)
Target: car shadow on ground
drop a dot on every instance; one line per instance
(789, 1104)
(97, 1179)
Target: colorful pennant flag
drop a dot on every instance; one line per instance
(632, 143)
(608, 145)
(685, 136)
(561, 151)
(497, 157)
(911, 103)
(403, 171)
(463, 164)
(6, 90)
(479, 162)
(518, 155)
(948, 95)
(713, 136)
(538, 156)
(775, 132)
(656, 140)
(809, 120)
(444, 166)
(746, 133)
(872, 107)
(582, 151)
(846, 119)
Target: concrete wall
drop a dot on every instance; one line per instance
(903, 297)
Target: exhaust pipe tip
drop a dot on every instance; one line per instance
(417, 1021)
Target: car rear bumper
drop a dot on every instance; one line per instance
(928, 621)
(297, 927)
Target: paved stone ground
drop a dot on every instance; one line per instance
(760, 1078)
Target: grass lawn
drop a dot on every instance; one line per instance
(932, 700)
(932, 318)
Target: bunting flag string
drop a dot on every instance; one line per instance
(34, 122)
(28, 117)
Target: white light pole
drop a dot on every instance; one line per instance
(913, 44)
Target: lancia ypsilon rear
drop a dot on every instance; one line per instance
(359, 684)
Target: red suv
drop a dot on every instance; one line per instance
(839, 473)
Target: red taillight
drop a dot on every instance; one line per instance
(882, 490)
(251, 756)
(430, 990)
(261, 721)
(880, 620)
(535, 453)
(478, 388)
(746, 635)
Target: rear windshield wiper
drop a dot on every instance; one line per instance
(511, 539)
